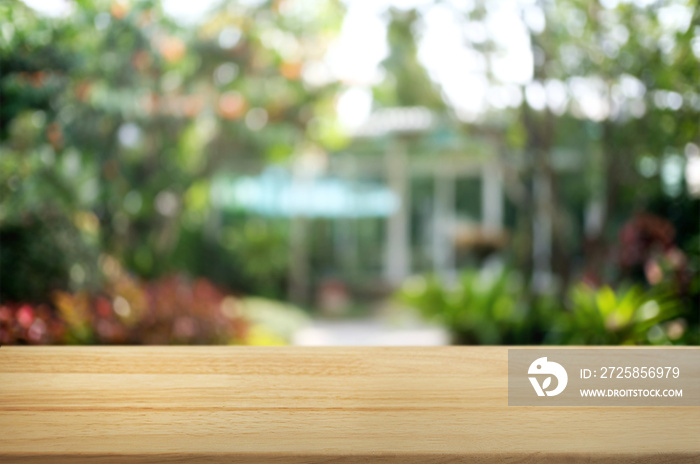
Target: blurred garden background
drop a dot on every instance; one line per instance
(350, 172)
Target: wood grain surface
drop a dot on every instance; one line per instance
(307, 405)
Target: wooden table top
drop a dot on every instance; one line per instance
(307, 405)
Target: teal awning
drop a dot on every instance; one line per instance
(276, 193)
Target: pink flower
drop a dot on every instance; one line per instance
(25, 316)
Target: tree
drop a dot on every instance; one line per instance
(115, 120)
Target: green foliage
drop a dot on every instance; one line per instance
(487, 308)
(260, 249)
(251, 252)
(483, 308)
(624, 317)
(43, 254)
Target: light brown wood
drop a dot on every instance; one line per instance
(307, 405)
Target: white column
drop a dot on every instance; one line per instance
(491, 198)
(397, 247)
(443, 217)
(542, 234)
(298, 261)
(346, 228)
(299, 271)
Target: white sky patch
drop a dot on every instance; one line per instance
(508, 30)
(188, 12)
(557, 96)
(355, 56)
(692, 169)
(53, 8)
(675, 17)
(591, 99)
(632, 87)
(534, 18)
(354, 106)
(461, 71)
(458, 69)
(536, 95)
